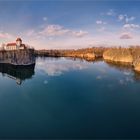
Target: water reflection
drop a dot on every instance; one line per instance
(57, 66)
(17, 73)
(67, 92)
(126, 69)
(121, 67)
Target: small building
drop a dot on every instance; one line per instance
(15, 46)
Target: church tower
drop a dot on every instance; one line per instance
(18, 42)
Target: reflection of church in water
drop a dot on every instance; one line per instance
(16, 73)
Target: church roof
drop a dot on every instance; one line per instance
(11, 44)
(14, 44)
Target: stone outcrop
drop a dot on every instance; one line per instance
(130, 56)
(135, 51)
(137, 67)
(17, 57)
(118, 55)
(89, 56)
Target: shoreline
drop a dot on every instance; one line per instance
(117, 55)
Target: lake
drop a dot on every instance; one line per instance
(67, 98)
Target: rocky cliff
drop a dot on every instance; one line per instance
(17, 57)
(120, 55)
(135, 51)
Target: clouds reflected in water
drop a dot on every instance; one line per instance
(56, 67)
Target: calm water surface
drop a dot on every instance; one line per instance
(63, 98)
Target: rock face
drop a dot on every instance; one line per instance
(18, 57)
(124, 55)
(135, 51)
(89, 56)
(137, 67)
(118, 55)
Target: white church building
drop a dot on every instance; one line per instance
(14, 46)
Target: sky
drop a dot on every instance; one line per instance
(72, 24)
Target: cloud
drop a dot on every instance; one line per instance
(129, 19)
(100, 22)
(33, 34)
(30, 32)
(126, 36)
(54, 30)
(125, 18)
(57, 30)
(4, 35)
(131, 26)
(101, 29)
(79, 33)
(121, 17)
(45, 18)
(111, 12)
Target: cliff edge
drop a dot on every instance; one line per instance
(17, 57)
(120, 55)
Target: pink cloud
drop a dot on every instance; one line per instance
(5, 35)
(57, 30)
(54, 30)
(126, 36)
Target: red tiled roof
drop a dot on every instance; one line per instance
(11, 44)
(14, 44)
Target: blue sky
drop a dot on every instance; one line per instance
(70, 24)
